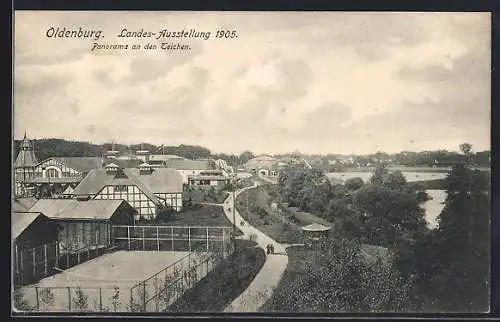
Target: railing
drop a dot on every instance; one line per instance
(158, 292)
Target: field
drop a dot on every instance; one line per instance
(97, 279)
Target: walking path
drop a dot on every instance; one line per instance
(261, 288)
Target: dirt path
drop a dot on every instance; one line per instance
(261, 288)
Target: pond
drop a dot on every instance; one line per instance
(409, 175)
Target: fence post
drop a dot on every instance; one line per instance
(34, 262)
(131, 301)
(45, 259)
(144, 292)
(172, 235)
(37, 300)
(57, 254)
(67, 258)
(100, 299)
(189, 237)
(158, 237)
(17, 261)
(143, 240)
(78, 256)
(223, 242)
(207, 240)
(69, 299)
(157, 297)
(128, 236)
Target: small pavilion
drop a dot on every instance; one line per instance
(315, 233)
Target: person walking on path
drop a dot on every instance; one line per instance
(268, 248)
(272, 248)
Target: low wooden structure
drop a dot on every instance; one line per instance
(35, 246)
(315, 233)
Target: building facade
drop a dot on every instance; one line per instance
(24, 168)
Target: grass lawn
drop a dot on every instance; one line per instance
(225, 283)
(259, 215)
(202, 215)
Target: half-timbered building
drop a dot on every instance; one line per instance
(145, 188)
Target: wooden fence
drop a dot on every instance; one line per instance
(32, 264)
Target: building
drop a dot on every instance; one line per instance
(210, 178)
(147, 189)
(160, 159)
(85, 224)
(35, 247)
(191, 167)
(24, 167)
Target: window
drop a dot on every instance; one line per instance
(120, 189)
(52, 173)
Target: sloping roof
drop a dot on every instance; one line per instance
(21, 221)
(315, 227)
(161, 180)
(82, 164)
(23, 204)
(101, 209)
(164, 157)
(97, 179)
(208, 177)
(190, 164)
(128, 163)
(26, 156)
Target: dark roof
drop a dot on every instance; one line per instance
(101, 209)
(23, 204)
(82, 164)
(21, 221)
(97, 179)
(190, 164)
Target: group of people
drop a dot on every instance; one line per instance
(270, 249)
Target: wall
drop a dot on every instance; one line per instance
(133, 195)
(76, 234)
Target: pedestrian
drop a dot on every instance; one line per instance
(242, 223)
(268, 247)
(272, 249)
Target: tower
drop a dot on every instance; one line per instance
(24, 166)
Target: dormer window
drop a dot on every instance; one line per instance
(145, 169)
(111, 168)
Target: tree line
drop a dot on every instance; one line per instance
(445, 269)
(46, 148)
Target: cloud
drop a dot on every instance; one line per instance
(316, 82)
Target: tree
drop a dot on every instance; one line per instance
(379, 174)
(395, 180)
(466, 149)
(245, 157)
(353, 183)
(452, 262)
(389, 216)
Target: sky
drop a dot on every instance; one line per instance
(316, 82)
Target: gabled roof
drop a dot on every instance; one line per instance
(161, 180)
(101, 209)
(190, 164)
(22, 220)
(82, 164)
(97, 179)
(23, 204)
